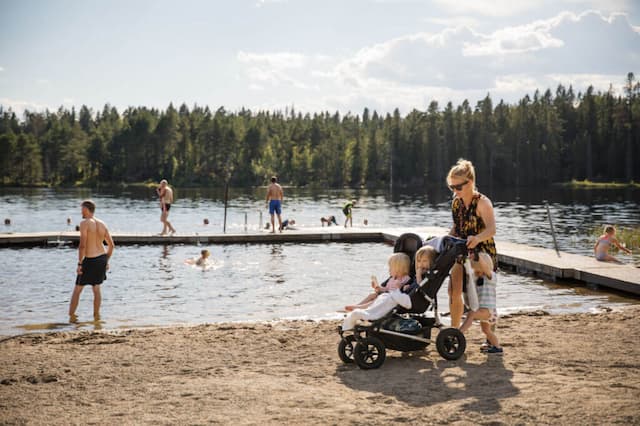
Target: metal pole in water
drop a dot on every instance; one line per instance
(553, 232)
(226, 201)
(245, 221)
(260, 223)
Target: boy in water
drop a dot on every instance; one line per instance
(485, 279)
(601, 249)
(201, 261)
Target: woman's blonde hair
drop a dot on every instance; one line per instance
(400, 262)
(428, 252)
(463, 169)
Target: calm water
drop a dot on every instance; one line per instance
(151, 285)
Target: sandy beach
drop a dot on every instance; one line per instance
(564, 369)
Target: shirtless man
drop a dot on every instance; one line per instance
(93, 259)
(166, 199)
(275, 195)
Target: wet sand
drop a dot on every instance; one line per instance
(564, 369)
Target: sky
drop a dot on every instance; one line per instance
(330, 55)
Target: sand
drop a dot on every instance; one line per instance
(564, 369)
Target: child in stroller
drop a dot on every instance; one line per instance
(407, 328)
(385, 297)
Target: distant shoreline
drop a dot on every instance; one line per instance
(588, 184)
(575, 184)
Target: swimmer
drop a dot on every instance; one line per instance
(68, 221)
(7, 221)
(205, 222)
(200, 261)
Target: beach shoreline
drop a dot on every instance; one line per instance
(562, 369)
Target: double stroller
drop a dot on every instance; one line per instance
(403, 329)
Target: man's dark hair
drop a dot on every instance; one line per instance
(274, 179)
(90, 205)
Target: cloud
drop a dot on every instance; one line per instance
(493, 8)
(20, 106)
(508, 8)
(279, 68)
(461, 58)
(455, 63)
(261, 3)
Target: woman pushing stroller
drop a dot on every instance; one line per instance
(473, 220)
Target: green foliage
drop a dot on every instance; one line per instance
(539, 140)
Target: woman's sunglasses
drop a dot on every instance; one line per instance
(459, 186)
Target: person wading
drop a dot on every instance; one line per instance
(93, 258)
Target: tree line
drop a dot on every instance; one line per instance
(541, 139)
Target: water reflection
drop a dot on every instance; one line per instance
(60, 326)
(165, 263)
(275, 268)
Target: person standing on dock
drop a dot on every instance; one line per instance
(473, 220)
(166, 199)
(93, 259)
(275, 196)
(348, 212)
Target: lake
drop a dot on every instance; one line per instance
(151, 285)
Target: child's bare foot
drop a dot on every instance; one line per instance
(73, 318)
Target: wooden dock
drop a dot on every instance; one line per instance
(520, 257)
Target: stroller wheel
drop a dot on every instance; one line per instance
(345, 349)
(369, 353)
(451, 343)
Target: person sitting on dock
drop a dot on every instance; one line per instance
(288, 224)
(602, 246)
(328, 220)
